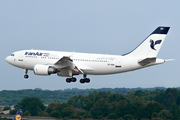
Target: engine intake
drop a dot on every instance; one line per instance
(44, 70)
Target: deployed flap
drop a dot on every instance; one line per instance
(146, 61)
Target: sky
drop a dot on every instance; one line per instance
(106, 27)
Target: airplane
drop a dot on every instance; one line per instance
(18, 115)
(69, 64)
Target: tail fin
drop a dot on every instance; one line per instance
(150, 47)
(18, 115)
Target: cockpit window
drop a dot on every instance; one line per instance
(12, 54)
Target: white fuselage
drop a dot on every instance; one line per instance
(68, 64)
(93, 64)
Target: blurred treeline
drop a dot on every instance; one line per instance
(155, 105)
(12, 97)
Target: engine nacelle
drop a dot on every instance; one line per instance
(44, 70)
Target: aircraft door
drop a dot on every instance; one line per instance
(21, 59)
(118, 62)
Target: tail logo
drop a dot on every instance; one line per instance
(18, 117)
(153, 44)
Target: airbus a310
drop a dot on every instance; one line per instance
(69, 64)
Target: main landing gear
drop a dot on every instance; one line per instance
(73, 79)
(26, 76)
(84, 80)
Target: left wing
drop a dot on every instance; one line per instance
(66, 67)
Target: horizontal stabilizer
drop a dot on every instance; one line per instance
(146, 61)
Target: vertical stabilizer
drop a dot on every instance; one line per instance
(150, 47)
(18, 115)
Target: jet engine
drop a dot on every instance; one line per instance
(44, 70)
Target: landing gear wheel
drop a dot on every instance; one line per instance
(26, 76)
(68, 80)
(82, 81)
(87, 80)
(73, 79)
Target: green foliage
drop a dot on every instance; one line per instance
(54, 114)
(148, 109)
(26, 113)
(121, 108)
(139, 93)
(165, 115)
(112, 116)
(175, 111)
(3, 118)
(168, 97)
(55, 108)
(12, 97)
(6, 108)
(115, 97)
(77, 102)
(67, 112)
(52, 107)
(13, 112)
(154, 115)
(32, 105)
(100, 109)
(169, 100)
(58, 110)
(159, 97)
(139, 104)
(128, 117)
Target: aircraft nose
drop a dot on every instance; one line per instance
(8, 59)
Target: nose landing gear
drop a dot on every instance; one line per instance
(26, 76)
